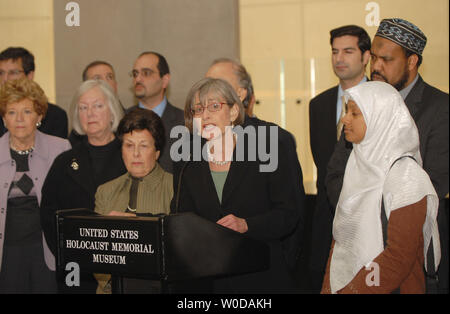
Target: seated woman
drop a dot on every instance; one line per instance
(384, 170)
(232, 191)
(146, 189)
(27, 265)
(75, 175)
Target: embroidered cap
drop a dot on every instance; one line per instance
(403, 33)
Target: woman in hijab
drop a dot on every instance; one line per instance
(384, 169)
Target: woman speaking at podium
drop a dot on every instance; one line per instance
(234, 192)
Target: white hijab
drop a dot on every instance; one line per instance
(391, 133)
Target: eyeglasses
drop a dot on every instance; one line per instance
(212, 107)
(144, 73)
(11, 73)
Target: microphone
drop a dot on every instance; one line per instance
(177, 200)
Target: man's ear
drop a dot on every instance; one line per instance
(30, 75)
(166, 80)
(412, 61)
(242, 93)
(234, 112)
(366, 57)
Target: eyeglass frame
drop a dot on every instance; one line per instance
(208, 107)
(135, 73)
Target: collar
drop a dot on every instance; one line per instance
(40, 146)
(159, 110)
(153, 179)
(404, 92)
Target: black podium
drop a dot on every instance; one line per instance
(166, 248)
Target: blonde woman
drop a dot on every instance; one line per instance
(27, 265)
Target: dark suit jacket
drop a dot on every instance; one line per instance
(172, 116)
(293, 245)
(70, 184)
(266, 200)
(322, 127)
(54, 122)
(429, 108)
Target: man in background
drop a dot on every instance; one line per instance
(151, 78)
(17, 63)
(350, 54)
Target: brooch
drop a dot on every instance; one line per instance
(74, 165)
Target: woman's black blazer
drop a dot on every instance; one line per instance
(266, 200)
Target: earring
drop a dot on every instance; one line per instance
(38, 124)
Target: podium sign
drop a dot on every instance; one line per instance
(112, 245)
(167, 248)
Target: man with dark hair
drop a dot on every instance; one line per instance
(16, 63)
(151, 77)
(350, 54)
(395, 57)
(237, 76)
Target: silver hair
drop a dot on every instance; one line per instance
(203, 89)
(112, 101)
(243, 77)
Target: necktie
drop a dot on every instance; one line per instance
(340, 125)
(132, 203)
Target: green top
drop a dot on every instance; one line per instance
(219, 178)
(154, 193)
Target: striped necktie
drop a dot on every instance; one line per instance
(340, 125)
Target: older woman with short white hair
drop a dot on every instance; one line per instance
(75, 175)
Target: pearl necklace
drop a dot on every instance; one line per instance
(218, 162)
(23, 152)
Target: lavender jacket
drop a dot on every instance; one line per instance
(46, 148)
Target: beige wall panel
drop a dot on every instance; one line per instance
(273, 54)
(29, 24)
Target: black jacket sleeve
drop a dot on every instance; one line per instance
(336, 170)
